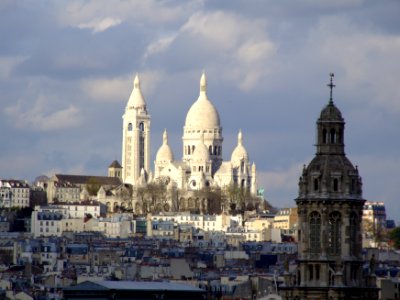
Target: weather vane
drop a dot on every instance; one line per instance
(331, 86)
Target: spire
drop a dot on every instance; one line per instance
(203, 83)
(240, 137)
(136, 99)
(331, 86)
(136, 82)
(165, 137)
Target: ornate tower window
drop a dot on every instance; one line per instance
(130, 127)
(141, 145)
(333, 136)
(353, 233)
(324, 136)
(335, 184)
(334, 233)
(315, 232)
(316, 184)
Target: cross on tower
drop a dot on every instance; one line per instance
(331, 86)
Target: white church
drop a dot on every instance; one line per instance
(201, 166)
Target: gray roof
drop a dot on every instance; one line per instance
(134, 285)
(85, 179)
(115, 164)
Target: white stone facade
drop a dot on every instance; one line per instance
(14, 193)
(202, 164)
(135, 137)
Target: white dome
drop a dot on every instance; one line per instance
(136, 99)
(203, 113)
(165, 152)
(240, 152)
(201, 151)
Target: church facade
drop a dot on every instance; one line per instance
(330, 209)
(201, 169)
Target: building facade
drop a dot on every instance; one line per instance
(14, 193)
(330, 209)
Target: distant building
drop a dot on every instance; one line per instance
(73, 188)
(14, 193)
(201, 167)
(374, 223)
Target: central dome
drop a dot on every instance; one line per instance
(202, 114)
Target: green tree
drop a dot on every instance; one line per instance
(394, 237)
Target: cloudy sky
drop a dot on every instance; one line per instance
(66, 72)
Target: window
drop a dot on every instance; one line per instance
(353, 233)
(315, 232)
(333, 136)
(141, 150)
(334, 233)
(130, 127)
(324, 136)
(335, 184)
(141, 126)
(310, 272)
(316, 184)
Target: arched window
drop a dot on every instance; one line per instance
(188, 150)
(316, 184)
(334, 233)
(141, 126)
(315, 232)
(210, 149)
(353, 185)
(335, 184)
(242, 183)
(353, 233)
(340, 136)
(324, 136)
(130, 127)
(333, 136)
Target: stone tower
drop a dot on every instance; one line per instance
(330, 206)
(135, 137)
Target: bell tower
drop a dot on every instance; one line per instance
(330, 208)
(135, 136)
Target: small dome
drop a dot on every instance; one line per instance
(136, 99)
(331, 113)
(201, 152)
(240, 152)
(165, 153)
(203, 113)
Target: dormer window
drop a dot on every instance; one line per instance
(316, 184)
(335, 184)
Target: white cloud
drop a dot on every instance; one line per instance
(369, 60)
(41, 117)
(8, 63)
(99, 25)
(239, 46)
(118, 89)
(158, 46)
(143, 12)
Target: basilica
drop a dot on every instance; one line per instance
(201, 180)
